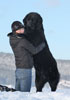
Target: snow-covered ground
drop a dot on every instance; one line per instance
(7, 73)
(62, 93)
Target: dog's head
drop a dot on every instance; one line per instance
(34, 28)
(33, 21)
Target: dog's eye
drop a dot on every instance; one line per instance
(28, 18)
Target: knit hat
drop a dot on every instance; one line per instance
(16, 25)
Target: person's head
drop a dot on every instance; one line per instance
(17, 27)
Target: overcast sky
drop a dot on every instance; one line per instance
(56, 21)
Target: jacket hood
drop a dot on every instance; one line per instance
(9, 34)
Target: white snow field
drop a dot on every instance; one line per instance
(62, 93)
(7, 77)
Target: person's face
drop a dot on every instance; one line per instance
(20, 31)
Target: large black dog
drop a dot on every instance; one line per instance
(44, 63)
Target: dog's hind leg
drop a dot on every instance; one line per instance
(39, 86)
(53, 85)
(38, 82)
(53, 82)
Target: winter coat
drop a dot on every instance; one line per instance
(23, 50)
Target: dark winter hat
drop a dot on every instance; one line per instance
(16, 25)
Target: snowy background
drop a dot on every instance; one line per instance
(7, 77)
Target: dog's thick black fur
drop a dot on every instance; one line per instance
(7, 89)
(44, 63)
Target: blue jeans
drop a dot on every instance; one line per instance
(23, 79)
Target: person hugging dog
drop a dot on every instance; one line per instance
(23, 51)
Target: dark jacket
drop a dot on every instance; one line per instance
(23, 50)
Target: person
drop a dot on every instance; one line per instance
(23, 51)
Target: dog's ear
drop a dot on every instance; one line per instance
(25, 19)
(40, 20)
(39, 25)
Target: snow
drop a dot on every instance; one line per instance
(7, 69)
(62, 93)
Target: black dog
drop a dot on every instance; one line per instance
(44, 63)
(5, 88)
